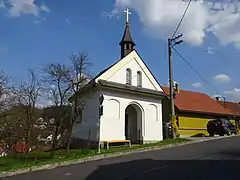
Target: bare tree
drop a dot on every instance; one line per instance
(28, 93)
(4, 91)
(8, 122)
(2, 83)
(12, 128)
(78, 77)
(54, 78)
(62, 81)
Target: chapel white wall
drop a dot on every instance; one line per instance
(120, 76)
(88, 129)
(112, 122)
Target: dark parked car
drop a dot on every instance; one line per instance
(220, 127)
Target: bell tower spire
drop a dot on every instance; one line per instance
(127, 44)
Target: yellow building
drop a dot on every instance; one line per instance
(193, 111)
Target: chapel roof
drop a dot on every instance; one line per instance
(127, 38)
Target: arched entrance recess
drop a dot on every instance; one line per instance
(133, 123)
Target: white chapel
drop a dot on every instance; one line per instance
(123, 102)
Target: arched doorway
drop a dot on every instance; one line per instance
(133, 123)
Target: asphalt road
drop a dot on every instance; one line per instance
(207, 160)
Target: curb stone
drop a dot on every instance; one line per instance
(102, 156)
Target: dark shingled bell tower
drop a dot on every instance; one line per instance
(127, 44)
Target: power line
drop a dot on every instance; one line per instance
(194, 69)
(180, 22)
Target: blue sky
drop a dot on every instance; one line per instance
(38, 32)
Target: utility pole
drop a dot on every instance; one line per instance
(170, 77)
(172, 42)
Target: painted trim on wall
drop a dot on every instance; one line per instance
(156, 115)
(119, 106)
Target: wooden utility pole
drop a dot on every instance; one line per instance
(172, 42)
(170, 77)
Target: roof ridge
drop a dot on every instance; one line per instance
(188, 91)
(230, 102)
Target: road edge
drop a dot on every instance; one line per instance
(102, 156)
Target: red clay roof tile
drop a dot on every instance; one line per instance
(198, 102)
(234, 106)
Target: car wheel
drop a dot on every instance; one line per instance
(221, 134)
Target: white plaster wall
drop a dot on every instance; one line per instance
(120, 76)
(112, 122)
(117, 73)
(88, 129)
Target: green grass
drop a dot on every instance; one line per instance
(42, 158)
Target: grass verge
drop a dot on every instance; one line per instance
(17, 162)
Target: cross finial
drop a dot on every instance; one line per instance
(127, 14)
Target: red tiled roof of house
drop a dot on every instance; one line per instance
(234, 106)
(198, 102)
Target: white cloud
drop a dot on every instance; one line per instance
(233, 94)
(16, 8)
(43, 7)
(162, 16)
(222, 78)
(197, 85)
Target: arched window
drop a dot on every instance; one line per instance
(128, 76)
(139, 78)
(127, 46)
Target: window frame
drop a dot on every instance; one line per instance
(139, 78)
(128, 76)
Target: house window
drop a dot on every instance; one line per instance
(129, 76)
(139, 78)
